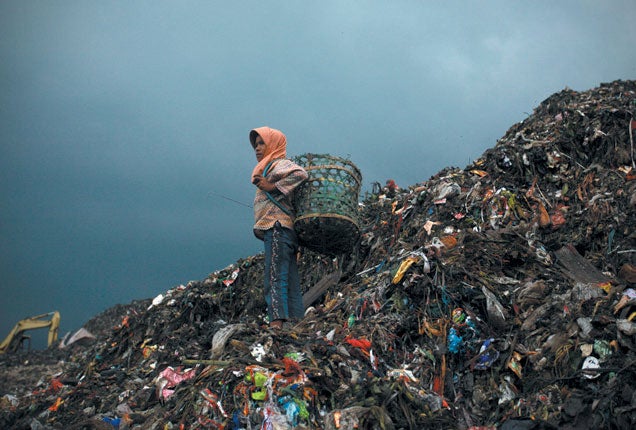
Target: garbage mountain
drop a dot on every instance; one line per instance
(500, 295)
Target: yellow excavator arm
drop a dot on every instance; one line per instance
(13, 341)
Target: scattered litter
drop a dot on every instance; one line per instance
(498, 296)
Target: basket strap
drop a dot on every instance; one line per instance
(269, 196)
(266, 169)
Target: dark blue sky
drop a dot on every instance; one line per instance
(121, 122)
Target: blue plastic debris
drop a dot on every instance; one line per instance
(112, 421)
(487, 355)
(454, 341)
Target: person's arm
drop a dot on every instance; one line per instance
(264, 184)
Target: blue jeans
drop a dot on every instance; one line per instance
(282, 283)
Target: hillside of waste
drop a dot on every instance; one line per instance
(500, 295)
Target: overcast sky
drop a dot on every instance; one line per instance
(123, 122)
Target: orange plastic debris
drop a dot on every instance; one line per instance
(363, 344)
(449, 241)
(544, 218)
(438, 380)
(54, 407)
(437, 384)
(291, 367)
(56, 385)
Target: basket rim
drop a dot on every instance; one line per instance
(343, 160)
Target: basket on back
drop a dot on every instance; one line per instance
(327, 204)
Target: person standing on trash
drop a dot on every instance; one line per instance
(276, 178)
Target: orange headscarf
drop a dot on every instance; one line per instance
(275, 146)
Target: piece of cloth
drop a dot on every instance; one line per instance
(282, 282)
(275, 147)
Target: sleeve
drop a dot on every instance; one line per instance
(287, 176)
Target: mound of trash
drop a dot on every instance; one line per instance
(500, 295)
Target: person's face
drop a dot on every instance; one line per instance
(259, 148)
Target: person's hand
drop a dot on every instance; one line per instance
(263, 184)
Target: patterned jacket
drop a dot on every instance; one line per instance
(286, 175)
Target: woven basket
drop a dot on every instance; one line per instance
(327, 204)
